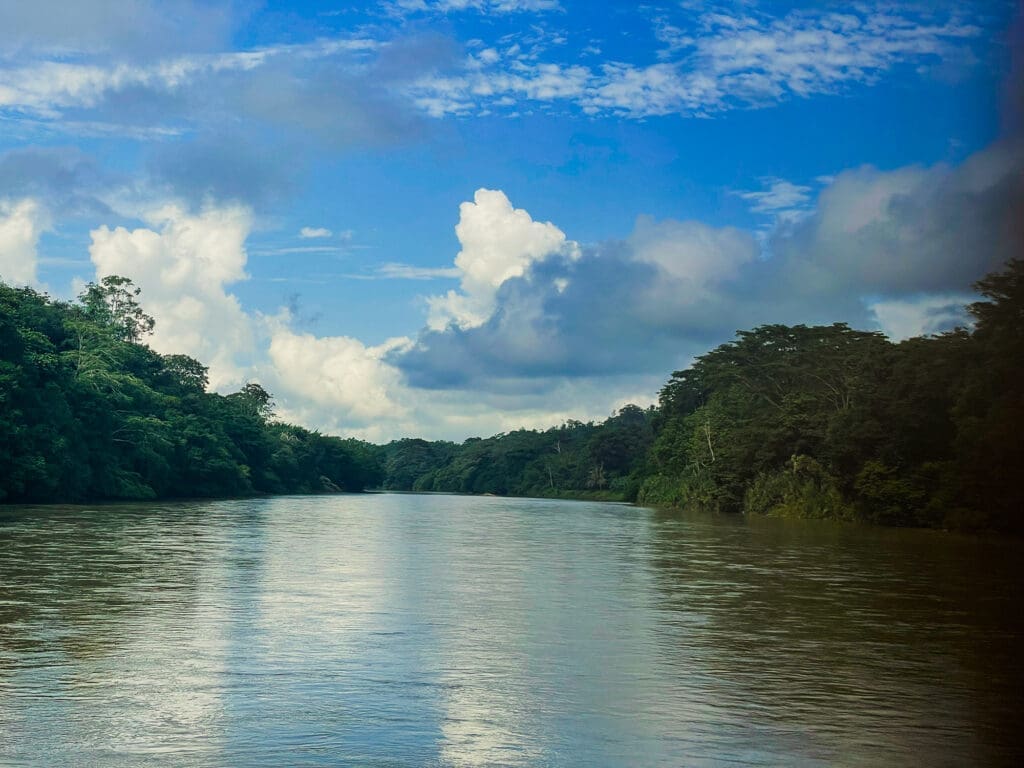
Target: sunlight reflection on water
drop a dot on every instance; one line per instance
(455, 631)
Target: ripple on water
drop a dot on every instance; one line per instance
(454, 631)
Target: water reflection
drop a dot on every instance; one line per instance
(446, 631)
(111, 628)
(848, 645)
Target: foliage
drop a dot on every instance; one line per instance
(794, 421)
(571, 460)
(111, 303)
(988, 413)
(803, 489)
(87, 412)
(831, 422)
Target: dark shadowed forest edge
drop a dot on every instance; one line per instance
(824, 422)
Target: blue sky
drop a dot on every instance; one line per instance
(457, 217)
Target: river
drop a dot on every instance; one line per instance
(401, 630)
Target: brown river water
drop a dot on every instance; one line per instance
(401, 630)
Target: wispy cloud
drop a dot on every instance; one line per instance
(778, 197)
(501, 88)
(46, 88)
(411, 272)
(298, 249)
(706, 64)
(486, 7)
(722, 62)
(141, 29)
(307, 233)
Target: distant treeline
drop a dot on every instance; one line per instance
(575, 460)
(87, 412)
(798, 421)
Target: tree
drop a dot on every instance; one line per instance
(111, 303)
(255, 401)
(186, 372)
(989, 412)
(1002, 315)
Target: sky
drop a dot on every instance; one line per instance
(450, 218)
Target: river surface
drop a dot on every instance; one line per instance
(399, 630)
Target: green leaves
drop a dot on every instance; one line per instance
(821, 421)
(87, 412)
(569, 460)
(831, 422)
(112, 304)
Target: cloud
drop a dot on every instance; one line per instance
(778, 196)
(634, 307)
(337, 373)
(890, 249)
(70, 182)
(904, 318)
(341, 385)
(225, 168)
(223, 127)
(501, 89)
(21, 224)
(375, 87)
(410, 272)
(487, 7)
(307, 233)
(691, 251)
(337, 99)
(805, 53)
(184, 264)
(47, 88)
(141, 28)
(323, 88)
(498, 242)
(542, 329)
(911, 230)
(434, 414)
(297, 249)
(724, 62)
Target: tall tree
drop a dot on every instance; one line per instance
(112, 303)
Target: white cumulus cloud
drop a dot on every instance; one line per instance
(897, 250)
(338, 374)
(21, 224)
(498, 242)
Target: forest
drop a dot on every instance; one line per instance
(793, 421)
(88, 412)
(812, 422)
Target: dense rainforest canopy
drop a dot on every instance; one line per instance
(800, 421)
(89, 412)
